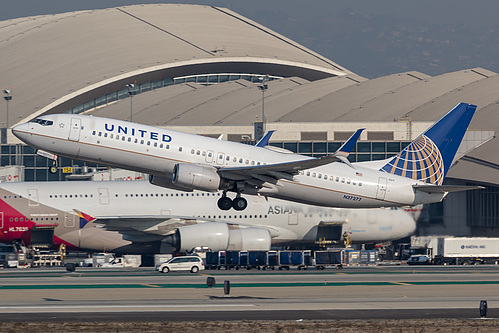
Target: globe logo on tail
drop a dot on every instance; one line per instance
(420, 160)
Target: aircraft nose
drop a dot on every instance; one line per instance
(21, 131)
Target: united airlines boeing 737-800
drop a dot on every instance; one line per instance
(190, 162)
(137, 217)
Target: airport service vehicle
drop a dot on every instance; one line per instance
(457, 251)
(137, 217)
(190, 162)
(419, 259)
(192, 264)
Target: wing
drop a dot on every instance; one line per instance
(138, 228)
(154, 227)
(272, 172)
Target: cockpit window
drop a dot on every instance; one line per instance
(43, 122)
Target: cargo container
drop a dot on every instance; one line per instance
(368, 257)
(226, 259)
(333, 257)
(298, 259)
(212, 260)
(286, 259)
(272, 260)
(257, 259)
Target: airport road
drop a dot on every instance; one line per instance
(360, 293)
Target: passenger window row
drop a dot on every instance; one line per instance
(71, 196)
(21, 219)
(133, 140)
(151, 195)
(157, 195)
(227, 158)
(331, 178)
(167, 146)
(233, 216)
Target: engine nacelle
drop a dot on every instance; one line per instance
(197, 177)
(218, 237)
(167, 182)
(250, 239)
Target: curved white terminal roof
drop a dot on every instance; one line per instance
(54, 62)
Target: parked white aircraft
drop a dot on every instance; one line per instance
(137, 217)
(190, 162)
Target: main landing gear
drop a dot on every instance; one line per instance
(226, 203)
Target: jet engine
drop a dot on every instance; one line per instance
(219, 237)
(197, 177)
(164, 181)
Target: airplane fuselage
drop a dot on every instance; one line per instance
(157, 151)
(24, 205)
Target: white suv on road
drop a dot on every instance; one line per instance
(187, 263)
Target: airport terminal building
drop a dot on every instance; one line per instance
(210, 71)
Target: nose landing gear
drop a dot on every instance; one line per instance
(53, 168)
(225, 203)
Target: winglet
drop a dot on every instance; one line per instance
(265, 140)
(347, 147)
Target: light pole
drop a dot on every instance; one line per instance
(131, 92)
(8, 98)
(263, 86)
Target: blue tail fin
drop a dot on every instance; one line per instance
(429, 157)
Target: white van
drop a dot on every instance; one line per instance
(187, 263)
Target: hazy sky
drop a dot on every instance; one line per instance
(370, 37)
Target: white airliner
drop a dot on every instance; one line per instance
(191, 162)
(137, 217)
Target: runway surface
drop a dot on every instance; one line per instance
(144, 294)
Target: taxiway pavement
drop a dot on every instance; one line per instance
(360, 293)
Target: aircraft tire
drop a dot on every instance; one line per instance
(224, 203)
(239, 203)
(53, 169)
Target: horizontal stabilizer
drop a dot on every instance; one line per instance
(445, 188)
